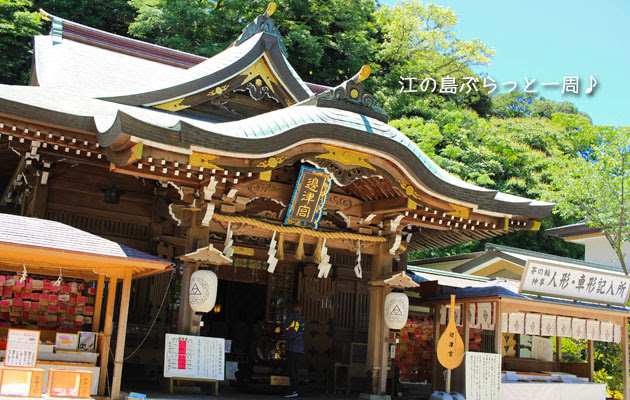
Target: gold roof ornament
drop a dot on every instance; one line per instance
(351, 96)
(271, 8)
(363, 73)
(262, 23)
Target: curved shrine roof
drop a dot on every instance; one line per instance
(263, 134)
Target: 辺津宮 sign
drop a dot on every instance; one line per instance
(309, 198)
(576, 283)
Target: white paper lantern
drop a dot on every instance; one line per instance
(203, 290)
(396, 310)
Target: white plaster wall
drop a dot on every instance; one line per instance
(598, 251)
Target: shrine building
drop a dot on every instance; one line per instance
(285, 189)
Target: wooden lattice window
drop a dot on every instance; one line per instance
(280, 291)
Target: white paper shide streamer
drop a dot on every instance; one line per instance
(324, 265)
(358, 271)
(272, 260)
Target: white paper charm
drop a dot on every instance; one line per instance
(485, 316)
(578, 328)
(548, 325)
(563, 327)
(592, 329)
(532, 324)
(517, 323)
(606, 331)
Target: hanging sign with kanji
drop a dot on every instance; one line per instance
(450, 348)
(575, 283)
(309, 198)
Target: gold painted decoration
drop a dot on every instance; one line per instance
(243, 251)
(459, 211)
(536, 226)
(218, 90)
(174, 105)
(203, 160)
(346, 156)
(412, 204)
(272, 162)
(265, 176)
(410, 191)
(450, 348)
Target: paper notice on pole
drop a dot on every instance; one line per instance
(194, 357)
(22, 348)
(483, 376)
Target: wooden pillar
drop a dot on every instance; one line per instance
(558, 349)
(377, 331)
(37, 205)
(466, 324)
(107, 334)
(120, 338)
(591, 360)
(498, 335)
(197, 237)
(98, 303)
(382, 381)
(624, 349)
(436, 339)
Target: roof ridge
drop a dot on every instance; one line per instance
(122, 44)
(553, 257)
(125, 45)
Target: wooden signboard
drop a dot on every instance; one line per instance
(194, 357)
(575, 283)
(22, 346)
(309, 198)
(450, 348)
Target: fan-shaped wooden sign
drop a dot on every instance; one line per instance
(450, 348)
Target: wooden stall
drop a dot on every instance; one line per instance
(49, 250)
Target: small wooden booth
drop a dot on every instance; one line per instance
(40, 251)
(503, 318)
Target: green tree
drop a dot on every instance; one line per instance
(513, 155)
(327, 41)
(108, 15)
(18, 25)
(597, 188)
(419, 41)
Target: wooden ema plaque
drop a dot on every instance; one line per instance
(23, 382)
(450, 348)
(69, 383)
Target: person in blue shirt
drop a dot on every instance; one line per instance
(293, 331)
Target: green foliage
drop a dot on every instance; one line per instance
(608, 365)
(327, 41)
(573, 350)
(513, 155)
(109, 15)
(597, 189)
(18, 25)
(419, 41)
(518, 105)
